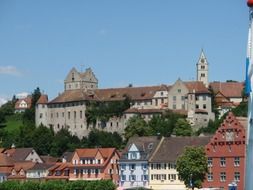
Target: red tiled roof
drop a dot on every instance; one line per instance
(43, 99)
(5, 160)
(196, 86)
(23, 165)
(5, 170)
(110, 94)
(18, 154)
(228, 89)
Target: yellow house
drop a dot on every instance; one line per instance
(162, 164)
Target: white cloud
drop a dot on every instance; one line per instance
(9, 70)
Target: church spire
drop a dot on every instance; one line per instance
(202, 69)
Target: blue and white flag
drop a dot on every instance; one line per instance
(248, 88)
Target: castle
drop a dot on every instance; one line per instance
(67, 110)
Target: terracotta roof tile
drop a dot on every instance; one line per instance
(196, 86)
(109, 94)
(43, 99)
(5, 160)
(18, 154)
(25, 165)
(228, 89)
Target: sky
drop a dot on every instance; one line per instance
(139, 42)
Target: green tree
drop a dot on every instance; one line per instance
(182, 128)
(241, 109)
(42, 140)
(136, 125)
(159, 124)
(104, 139)
(63, 141)
(29, 114)
(192, 166)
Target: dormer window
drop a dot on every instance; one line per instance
(133, 155)
(73, 76)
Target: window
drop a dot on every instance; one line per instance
(183, 106)
(73, 76)
(204, 106)
(156, 102)
(197, 106)
(172, 177)
(62, 114)
(210, 162)
(74, 114)
(81, 114)
(223, 176)
(179, 90)
(132, 178)
(237, 176)
(68, 114)
(163, 177)
(161, 93)
(222, 161)
(144, 166)
(158, 166)
(182, 98)
(41, 115)
(237, 161)
(171, 166)
(204, 97)
(52, 115)
(174, 106)
(174, 98)
(202, 66)
(210, 176)
(132, 166)
(57, 114)
(58, 172)
(202, 75)
(123, 177)
(144, 177)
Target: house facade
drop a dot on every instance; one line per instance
(162, 164)
(22, 104)
(226, 155)
(227, 95)
(133, 163)
(95, 164)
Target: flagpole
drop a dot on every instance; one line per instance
(248, 84)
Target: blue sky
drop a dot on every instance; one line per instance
(142, 42)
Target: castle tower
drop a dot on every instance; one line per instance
(202, 69)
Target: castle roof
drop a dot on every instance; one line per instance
(43, 99)
(228, 89)
(196, 87)
(110, 94)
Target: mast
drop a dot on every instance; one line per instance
(248, 88)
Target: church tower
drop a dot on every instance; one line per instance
(202, 69)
